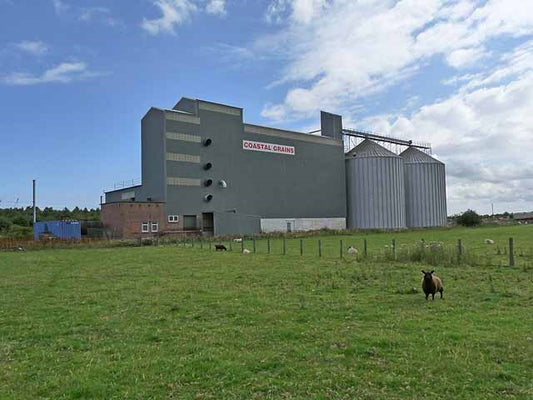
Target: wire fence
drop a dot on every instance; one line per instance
(357, 248)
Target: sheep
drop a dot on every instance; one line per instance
(489, 241)
(436, 246)
(246, 251)
(237, 240)
(431, 284)
(352, 250)
(220, 247)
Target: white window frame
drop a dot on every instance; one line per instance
(156, 225)
(173, 218)
(145, 227)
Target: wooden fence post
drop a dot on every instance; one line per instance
(284, 247)
(394, 248)
(242, 244)
(341, 249)
(365, 248)
(301, 247)
(319, 248)
(511, 252)
(268, 245)
(254, 244)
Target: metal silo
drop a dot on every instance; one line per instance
(425, 189)
(375, 187)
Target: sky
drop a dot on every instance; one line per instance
(77, 76)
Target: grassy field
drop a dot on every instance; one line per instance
(172, 322)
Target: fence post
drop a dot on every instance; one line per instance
(254, 243)
(459, 250)
(301, 247)
(193, 242)
(341, 249)
(365, 248)
(319, 248)
(242, 244)
(268, 245)
(394, 248)
(284, 247)
(511, 252)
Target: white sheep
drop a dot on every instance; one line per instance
(237, 240)
(489, 241)
(246, 251)
(352, 250)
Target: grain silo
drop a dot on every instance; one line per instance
(375, 188)
(425, 189)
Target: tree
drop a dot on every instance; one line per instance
(5, 224)
(469, 218)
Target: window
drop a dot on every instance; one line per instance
(173, 218)
(144, 227)
(155, 226)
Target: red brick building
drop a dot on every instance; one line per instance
(134, 219)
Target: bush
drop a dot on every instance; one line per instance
(469, 218)
(5, 224)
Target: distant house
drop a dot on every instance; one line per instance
(524, 218)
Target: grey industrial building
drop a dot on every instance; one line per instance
(205, 170)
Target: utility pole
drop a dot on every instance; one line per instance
(34, 209)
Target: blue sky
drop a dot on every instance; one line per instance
(77, 76)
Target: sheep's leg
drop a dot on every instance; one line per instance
(427, 295)
(433, 294)
(441, 293)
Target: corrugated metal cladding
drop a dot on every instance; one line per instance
(375, 188)
(67, 230)
(425, 189)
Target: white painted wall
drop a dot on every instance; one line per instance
(301, 224)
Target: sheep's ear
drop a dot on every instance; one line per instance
(424, 272)
(432, 271)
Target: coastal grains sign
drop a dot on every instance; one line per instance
(267, 147)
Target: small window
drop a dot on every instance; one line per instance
(173, 218)
(145, 227)
(155, 226)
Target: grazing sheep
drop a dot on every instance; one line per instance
(220, 247)
(352, 250)
(431, 284)
(489, 241)
(246, 251)
(237, 240)
(436, 246)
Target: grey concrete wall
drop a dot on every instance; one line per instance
(153, 146)
(117, 195)
(308, 184)
(228, 223)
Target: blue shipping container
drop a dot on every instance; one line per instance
(66, 230)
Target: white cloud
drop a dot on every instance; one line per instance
(217, 7)
(177, 12)
(35, 47)
(63, 73)
(174, 12)
(60, 6)
(338, 51)
(466, 57)
(482, 133)
(101, 14)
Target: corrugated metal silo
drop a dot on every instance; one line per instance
(375, 187)
(425, 189)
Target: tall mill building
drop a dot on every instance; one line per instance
(205, 170)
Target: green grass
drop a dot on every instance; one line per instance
(180, 323)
